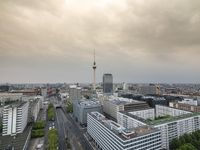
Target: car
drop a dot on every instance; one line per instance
(39, 146)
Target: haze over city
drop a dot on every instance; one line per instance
(135, 40)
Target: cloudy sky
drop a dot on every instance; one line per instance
(135, 40)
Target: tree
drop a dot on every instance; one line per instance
(187, 146)
(51, 112)
(175, 143)
(69, 107)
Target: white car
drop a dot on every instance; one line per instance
(39, 146)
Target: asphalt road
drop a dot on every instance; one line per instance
(61, 129)
(68, 128)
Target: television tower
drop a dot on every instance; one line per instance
(94, 73)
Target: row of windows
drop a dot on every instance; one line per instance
(95, 128)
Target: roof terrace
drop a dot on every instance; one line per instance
(123, 133)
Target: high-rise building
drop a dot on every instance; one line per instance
(107, 84)
(74, 92)
(108, 135)
(15, 118)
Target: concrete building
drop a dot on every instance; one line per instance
(44, 92)
(186, 107)
(148, 113)
(190, 101)
(172, 123)
(109, 135)
(115, 104)
(83, 107)
(10, 97)
(149, 89)
(74, 92)
(35, 105)
(107, 84)
(15, 118)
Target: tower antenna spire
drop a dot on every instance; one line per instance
(94, 72)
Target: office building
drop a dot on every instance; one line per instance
(74, 92)
(15, 118)
(107, 135)
(107, 84)
(149, 89)
(114, 104)
(172, 123)
(82, 107)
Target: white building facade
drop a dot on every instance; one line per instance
(178, 123)
(108, 135)
(15, 118)
(145, 114)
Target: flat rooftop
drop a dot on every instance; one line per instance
(119, 130)
(162, 120)
(17, 104)
(171, 119)
(18, 142)
(89, 103)
(123, 101)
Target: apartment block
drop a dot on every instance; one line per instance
(172, 123)
(15, 118)
(107, 135)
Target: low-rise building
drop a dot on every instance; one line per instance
(115, 104)
(83, 107)
(186, 107)
(5, 97)
(149, 89)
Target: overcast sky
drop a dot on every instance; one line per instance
(135, 40)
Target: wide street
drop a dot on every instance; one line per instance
(61, 130)
(68, 128)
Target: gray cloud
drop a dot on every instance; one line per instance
(137, 41)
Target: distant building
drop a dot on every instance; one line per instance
(44, 92)
(185, 106)
(107, 84)
(172, 123)
(115, 104)
(4, 88)
(74, 92)
(109, 135)
(83, 107)
(5, 97)
(150, 90)
(15, 118)
(190, 101)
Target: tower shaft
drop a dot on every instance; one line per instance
(94, 73)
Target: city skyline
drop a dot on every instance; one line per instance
(136, 41)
